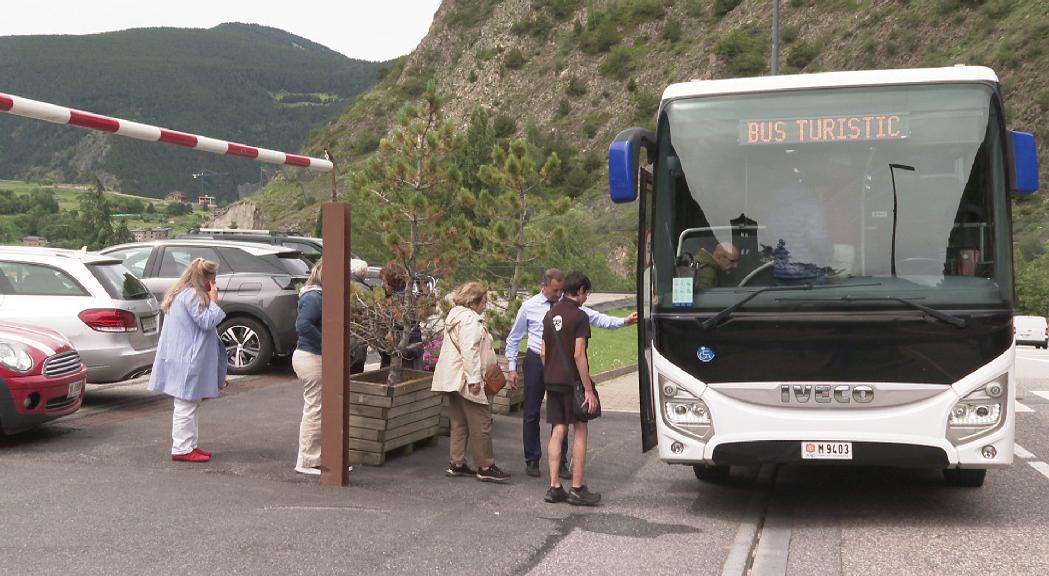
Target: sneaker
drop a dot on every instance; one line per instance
(583, 497)
(204, 452)
(492, 474)
(555, 494)
(565, 472)
(459, 470)
(532, 469)
(315, 470)
(190, 457)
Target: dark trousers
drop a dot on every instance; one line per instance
(534, 392)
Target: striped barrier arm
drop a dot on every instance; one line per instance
(27, 108)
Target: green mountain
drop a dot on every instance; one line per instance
(570, 74)
(241, 82)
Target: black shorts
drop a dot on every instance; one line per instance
(559, 406)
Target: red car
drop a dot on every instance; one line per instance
(41, 377)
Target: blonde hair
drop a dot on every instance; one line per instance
(315, 274)
(197, 275)
(469, 294)
(358, 267)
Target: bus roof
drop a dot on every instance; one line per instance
(829, 80)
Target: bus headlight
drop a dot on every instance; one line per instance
(979, 413)
(683, 412)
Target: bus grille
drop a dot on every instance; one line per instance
(62, 364)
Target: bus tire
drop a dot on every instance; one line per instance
(711, 472)
(965, 477)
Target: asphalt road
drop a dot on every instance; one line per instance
(97, 495)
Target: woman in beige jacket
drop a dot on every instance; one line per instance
(466, 355)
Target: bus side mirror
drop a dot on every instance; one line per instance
(1025, 163)
(624, 157)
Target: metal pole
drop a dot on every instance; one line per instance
(335, 340)
(775, 37)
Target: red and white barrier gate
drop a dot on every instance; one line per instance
(19, 106)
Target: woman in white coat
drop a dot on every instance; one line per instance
(466, 354)
(191, 361)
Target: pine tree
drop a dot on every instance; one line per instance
(508, 241)
(415, 179)
(121, 235)
(95, 223)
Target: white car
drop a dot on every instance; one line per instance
(101, 307)
(1031, 330)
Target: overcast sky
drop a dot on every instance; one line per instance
(368, 30)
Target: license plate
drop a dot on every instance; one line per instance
(149, 324)
(826, 450)
(75, 389)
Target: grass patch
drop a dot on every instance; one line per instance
(611, 349)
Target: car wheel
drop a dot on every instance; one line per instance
(711, 473)
(249, 346)
(965, 477)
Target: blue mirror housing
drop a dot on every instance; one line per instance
(1025, 163)
(624, 157)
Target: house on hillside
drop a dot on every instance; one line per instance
(206, 202)
(34, 241)
(176, 197)
(143, 234)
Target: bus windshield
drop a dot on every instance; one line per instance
(874, 194)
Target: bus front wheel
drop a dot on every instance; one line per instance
(711, 472)
(965, 477)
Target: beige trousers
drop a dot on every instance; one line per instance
(307, 367)
(470, 422)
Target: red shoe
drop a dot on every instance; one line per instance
(204, 452)
(190, 457)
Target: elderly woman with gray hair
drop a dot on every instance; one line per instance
(466, 354)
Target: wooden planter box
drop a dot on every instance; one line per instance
(508, 400)
(385, 417)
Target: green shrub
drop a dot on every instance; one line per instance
(600, 35)
(504, 125)
(1043, 100)
(575, 87)
(744, 54)
(564, 107)
(788, 34)
(802, 54)
(486, 54)
(645, 106)
(538, 27)
(559, 9)
(472, 77)
(672, 31)
(514, 59)
(470, 13)
(638, 11)
(620, 63)
(997, 9)
(695, 8)
(722, 7)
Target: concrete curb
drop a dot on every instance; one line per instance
(612, 374)
(613, 304)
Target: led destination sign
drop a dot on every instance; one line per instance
(824, 129)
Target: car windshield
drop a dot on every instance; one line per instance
(119, 282)
(900, 190)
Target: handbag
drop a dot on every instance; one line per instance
(578, 390)
(494, 379)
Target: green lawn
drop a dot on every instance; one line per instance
(611, 349)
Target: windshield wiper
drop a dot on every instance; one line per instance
(715, 319)
(938, 314)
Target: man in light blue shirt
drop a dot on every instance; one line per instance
(529, 323)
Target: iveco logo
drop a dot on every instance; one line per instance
(825, 393)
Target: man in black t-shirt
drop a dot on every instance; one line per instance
(566, 331)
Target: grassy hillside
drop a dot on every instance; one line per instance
(576, 72)
(16, 222)
(245, 83)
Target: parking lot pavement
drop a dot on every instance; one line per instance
(102, 497)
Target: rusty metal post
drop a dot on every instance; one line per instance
(335, 340)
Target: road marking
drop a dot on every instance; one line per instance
(1041, 467)
(1022, 408)
(1042, 393)
(1022, 452)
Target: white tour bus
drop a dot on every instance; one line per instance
(869, 316)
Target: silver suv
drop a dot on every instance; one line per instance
(258, 289)
(108, 315)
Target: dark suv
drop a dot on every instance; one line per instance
(258, 290)
(311, 248)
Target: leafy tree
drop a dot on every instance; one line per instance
(177, 209)
(415, 180)
(511, 198)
